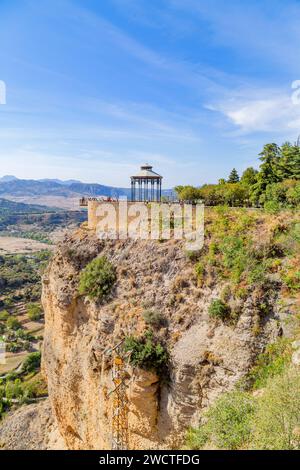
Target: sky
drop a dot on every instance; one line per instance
(96, 88)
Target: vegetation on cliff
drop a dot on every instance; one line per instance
(254, 252)
(147, 352)
(242, 261)
(251, 418)
(97, 279)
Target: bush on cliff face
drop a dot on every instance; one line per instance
(146, 352)
(97, 279)
(153, 318)
(219, 309)
(270, 363)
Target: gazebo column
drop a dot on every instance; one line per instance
(146, 186)
(147, 190)
(132, 190)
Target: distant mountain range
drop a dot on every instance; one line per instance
(55, 192)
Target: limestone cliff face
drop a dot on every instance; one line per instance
(207, 357)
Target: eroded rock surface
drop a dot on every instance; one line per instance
(206, 357)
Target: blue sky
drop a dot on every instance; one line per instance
(96, 88)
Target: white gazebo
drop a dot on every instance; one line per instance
(146, 185)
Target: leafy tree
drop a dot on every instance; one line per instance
(13, 323)
(32, 362)
(249, 177)
(34, 311)
(187, 193)
(234, 194)
(285, 193)
(211, 194)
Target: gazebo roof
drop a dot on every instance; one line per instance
(147, 172)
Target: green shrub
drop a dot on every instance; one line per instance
(228, 424)
(13, 347)
(32, 362)
(13, 389)
(219, 309)
(153, 318)
(192, 255)
(272, 207)
(34, 311)
(97, 279)
(4, 315)
(235, 257)
(271, 363)
(276, 421)
(13, 323)
(147, 352)
(200, 270)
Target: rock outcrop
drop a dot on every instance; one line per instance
(31, 427)
(206, 357)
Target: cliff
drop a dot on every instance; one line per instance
(207, 356)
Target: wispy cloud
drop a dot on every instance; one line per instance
(268, 110)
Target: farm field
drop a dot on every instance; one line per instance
(14, 245)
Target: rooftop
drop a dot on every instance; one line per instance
(146, 172)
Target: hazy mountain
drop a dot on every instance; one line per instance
(7, 178)
(57, 193)
(19, 187)
(66, 183)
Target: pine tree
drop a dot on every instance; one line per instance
(289, 163)
(234, 177)
(268, 174)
